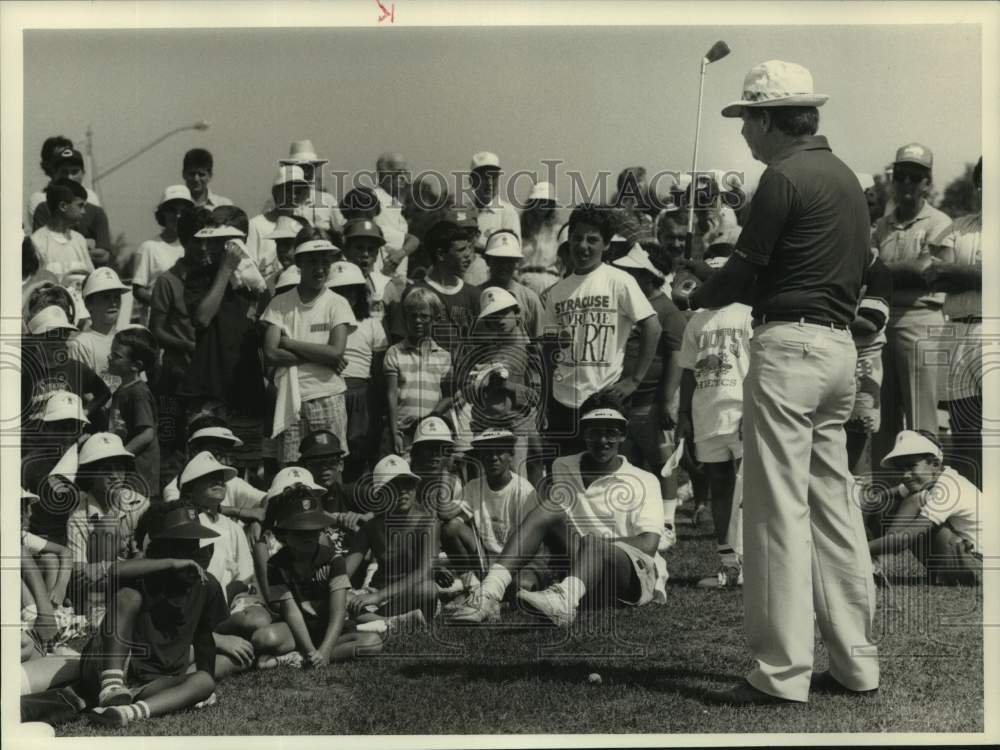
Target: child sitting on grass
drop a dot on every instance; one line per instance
(403, 539)
(133, 414)
(309, 584)
(54, 561)
(136, 666)
(937, 516)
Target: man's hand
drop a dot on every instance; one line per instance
(862, 327)
(444, 578)
(238, 649)
(232, 257)
(667, 416)
(684, 429)
(623, 388)
(358, 605)
(397, 442)
(183, 564)
(353, 521)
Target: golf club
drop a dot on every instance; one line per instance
(719, 50)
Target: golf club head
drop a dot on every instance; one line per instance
(719, 50)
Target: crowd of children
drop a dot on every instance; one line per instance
(293, 445)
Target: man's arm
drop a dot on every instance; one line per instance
(646, 542)
(649, 338)
(729, 284)
(330, 354)
(276, 355)
(208, 307)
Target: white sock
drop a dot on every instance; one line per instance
(669, 511)
(497, 581)
(575, 589)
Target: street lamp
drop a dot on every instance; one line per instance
(200, 125)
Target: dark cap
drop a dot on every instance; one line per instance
(444, 232)
(180, 522)
(363, 228)
(320, 443)
(300, 511)
(67, 156)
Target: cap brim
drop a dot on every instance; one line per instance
(189, 530)
(735, 109)
(312, 520)
(322, 454)
(380, 483)
(57, 417)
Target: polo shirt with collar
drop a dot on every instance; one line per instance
(807, 231)
(962, 243)
(910, 240)
(94, 535)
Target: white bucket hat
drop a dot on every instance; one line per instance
(542, 191)
(202, 464)
(302, 151)
(103, 279)
(176, 193)
(343, 273)
(289, 477)
(503, 244)
(290, 173)
(388, 469)
(493, 300)
(49, 318)
(64, 405)
(285, 228)
(290, 276)
(638, 258)
(216, 433)
(484, 159)
(910, 443)
(432, 430)
(100, 446)
(776, 83)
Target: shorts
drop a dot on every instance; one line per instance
(651, 580)
(323, 413)
(358, 421)
(562, 431)
(719, 448)
(92, 664)
(866, 414)
(241, 602)
(648, 445)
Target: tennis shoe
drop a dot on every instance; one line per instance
(553, 603)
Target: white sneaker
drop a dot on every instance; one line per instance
(552, 603)
(291, 659)
(478, 609)
(728, 577)
(668, 538)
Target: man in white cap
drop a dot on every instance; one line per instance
(903, 238)
(289, 192)
(503, 255)
(319, 208)
(938, 516)
(541, 220)
(158, 255)
(578, 512)
(801, 259)
(393, 176)
(306, 334)
(489, 210)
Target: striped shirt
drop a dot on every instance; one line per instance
(420, 370)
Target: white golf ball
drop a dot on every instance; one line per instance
(594, 679)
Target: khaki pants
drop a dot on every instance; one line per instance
(804, 542)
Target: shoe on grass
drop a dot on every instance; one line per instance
(746, 694)
(668, 538)
(292, 659)
(106, 717)
(728, 577)
(114, 695)
(698, 515)
(480, 609)
(552, 603)
(825, 683)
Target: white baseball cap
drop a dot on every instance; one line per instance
(542, 191)
(493, 300)
(483, 159)
(202, 464)
(343, 273)
(389, 468)
(49, 318)
(216, 433)
(176, 193)
(638, 258)
(432, 430)
(776, 83)
(100, 446)
(290, 173)
(604, 415)
(910, 443)
(302, 151)
(290, 276)
(315, 246)
(224, 231)
(503, 243)
(103, 279)
(289, 477)
(492, 435)
(285, 228)
(64, 405)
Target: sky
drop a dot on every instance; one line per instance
(597, 99)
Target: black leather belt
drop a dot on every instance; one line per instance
(968, 319)
(793, 318)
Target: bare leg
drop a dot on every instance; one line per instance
(245, 622)
(722, 483)
(458, 540)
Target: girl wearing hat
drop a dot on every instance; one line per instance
(598, 510)
(309, 585)
(364, 353)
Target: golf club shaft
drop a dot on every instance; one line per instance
(689, 237)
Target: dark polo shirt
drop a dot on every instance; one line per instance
(808, 231)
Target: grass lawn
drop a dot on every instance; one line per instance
(655, 663)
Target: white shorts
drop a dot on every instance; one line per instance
(719, 448)
(652, 579)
